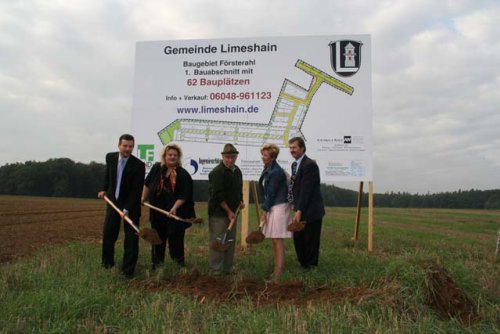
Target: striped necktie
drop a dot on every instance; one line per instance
(292, 181)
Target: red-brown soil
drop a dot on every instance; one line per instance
(446, 298)
(205, 288)
(29, 223)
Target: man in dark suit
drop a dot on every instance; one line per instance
(304, 193)
(123, 185)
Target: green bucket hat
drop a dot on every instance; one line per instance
(229, 149)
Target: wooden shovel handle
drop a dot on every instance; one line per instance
(127, 219)
(261, 224)
(166, 213)
(231, 223)
(256, 199)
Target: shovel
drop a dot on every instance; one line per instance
(221, 243)
(296, 226)
(256, 236)
(147, 234)
(169, 215)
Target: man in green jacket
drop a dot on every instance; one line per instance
(226, 195)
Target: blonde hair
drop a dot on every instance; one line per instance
(273, 150)
(171, 147)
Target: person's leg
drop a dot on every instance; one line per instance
(111, 229)
(130, 247)
(216, 227)
(158, 251)
(227, 266)
(298, 242)
(176, 244)
(279, 257)
(312, 238)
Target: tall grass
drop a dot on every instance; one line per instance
(64, 290)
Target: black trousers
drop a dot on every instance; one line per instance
(173, 235)
(131, 244)
(306, 244)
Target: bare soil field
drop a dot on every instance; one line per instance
(29, 223)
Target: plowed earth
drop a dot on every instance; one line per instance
(29, 223)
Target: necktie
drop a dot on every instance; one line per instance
(121, 166)
(292, 180)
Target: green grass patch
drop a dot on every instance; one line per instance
(63, 289)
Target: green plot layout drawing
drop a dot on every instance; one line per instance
(286, 120)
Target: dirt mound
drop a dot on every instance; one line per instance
(221, 290)
(446, 298)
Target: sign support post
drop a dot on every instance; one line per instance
(370, 214)
(358, 211)
(244, 214)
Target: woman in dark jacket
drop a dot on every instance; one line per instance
(277, 214)
(169, 187)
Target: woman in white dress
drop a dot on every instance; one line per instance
(277, 213)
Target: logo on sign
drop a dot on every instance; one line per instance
(190, 165)
(146, 152)
(347, 139)
(345, 57)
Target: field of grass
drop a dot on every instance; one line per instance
(432, 271)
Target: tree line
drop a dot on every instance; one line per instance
(63, 177)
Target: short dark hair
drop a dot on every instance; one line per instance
(300, 141)
(126, 136)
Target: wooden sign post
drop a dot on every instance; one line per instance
(256, 200)
(244, 214)
(370, 214)
(358, 211)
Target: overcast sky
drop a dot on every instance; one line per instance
(66, 76)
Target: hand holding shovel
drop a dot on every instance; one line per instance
(221, 243)
(147, 234)
(296, 226)
(170, 215)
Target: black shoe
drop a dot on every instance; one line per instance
(155, 266)
(309, 267)
(128, 275)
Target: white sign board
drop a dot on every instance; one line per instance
(202, 94)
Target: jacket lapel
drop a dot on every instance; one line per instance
(301, 167)
(114, 167)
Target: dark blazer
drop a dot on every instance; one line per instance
(166, 199)
(224, 185)
(131, 185)
(306, 191)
